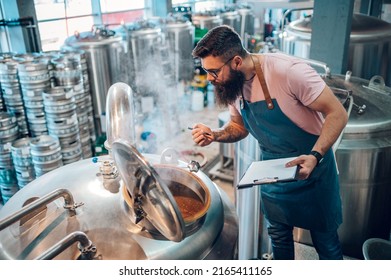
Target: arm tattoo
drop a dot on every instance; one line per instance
(229, 134)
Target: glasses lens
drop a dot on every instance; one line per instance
(215, 73)
(211, 72)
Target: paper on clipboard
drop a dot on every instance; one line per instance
(268, 172)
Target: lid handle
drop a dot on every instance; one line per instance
(377, 84)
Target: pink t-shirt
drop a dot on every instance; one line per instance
(293, 83)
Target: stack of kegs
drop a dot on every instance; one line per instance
(1, 100)
(45, 98)
(11, 92)
(85, 120)
(8, 181)
(21, 157)
(61, 118)
(70, 71)
(84, 93)
(45, 153)
(67, 70)
(34, 78)
(9, 132)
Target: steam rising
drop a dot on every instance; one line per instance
(156, 81)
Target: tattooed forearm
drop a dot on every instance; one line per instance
(231, 132)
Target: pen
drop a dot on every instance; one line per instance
(205, 133)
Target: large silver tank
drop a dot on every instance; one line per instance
(102, 218)
(232, 18)
(369, 47)
(206, 20)
(364, 162)
(180, 37)
(253, 238)
(246, 21)
(145, 41)
(105, 59)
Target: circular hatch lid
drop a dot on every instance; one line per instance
(363, 28)
(91, 39)
(151, 197)
(376, 115)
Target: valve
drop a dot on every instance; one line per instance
(107, 168)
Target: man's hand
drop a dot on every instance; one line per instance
(306, 164)
(202, 135)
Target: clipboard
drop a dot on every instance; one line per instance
(268, 172)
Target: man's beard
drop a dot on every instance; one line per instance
(227, 92)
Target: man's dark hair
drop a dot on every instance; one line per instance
(221, 41)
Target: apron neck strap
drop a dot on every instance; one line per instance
(262, 81)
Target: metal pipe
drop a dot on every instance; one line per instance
(86, 247)
(318, 64)
(66, 194)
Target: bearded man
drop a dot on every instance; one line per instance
(289, 109)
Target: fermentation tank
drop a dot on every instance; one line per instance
(253, 239)
(364, 161)
(106, 62)
(206, 20)
(180, 37)
(147, 53)
(231, 18)
(246, 21)
(369, 47)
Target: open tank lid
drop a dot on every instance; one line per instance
(149, 193)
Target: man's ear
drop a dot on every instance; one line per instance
(238, 62)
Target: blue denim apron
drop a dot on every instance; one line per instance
(312, 204)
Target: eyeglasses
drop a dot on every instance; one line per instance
(215, 72)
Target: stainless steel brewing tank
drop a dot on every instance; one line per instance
(180, 37)
(364, 162)
(369, 47)
(246, 22)
(102, 214)
(145, 41)
(106, 60)
(232, 18)
(253, 240)
(226, 149)
(206, 20)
